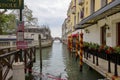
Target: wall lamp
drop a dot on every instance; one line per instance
(87, 31)
(106, 26)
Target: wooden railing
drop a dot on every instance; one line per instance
(110, 58)
(9, 57)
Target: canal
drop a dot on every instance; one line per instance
(57, 63)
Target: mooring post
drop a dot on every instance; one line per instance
(81, 51)
(77, 44)
(1, 70)
(40, 52)
(40, 56)
(18, 71)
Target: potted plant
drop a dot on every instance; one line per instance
(117, 54)
(117, 49)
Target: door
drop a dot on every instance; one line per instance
(118, 34)
(103, 35)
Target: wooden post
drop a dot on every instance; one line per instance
(34, 51)
(40, 52)
(0, 70)
(81, 50)
(77, 43)
(40, 56)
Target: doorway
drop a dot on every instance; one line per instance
(103, 35)
(118, 34)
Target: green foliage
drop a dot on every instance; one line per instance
(7, 23)
(29, 19)
(91, 45)
(107, 49)
(117, 50)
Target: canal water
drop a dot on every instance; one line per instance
(59, 65)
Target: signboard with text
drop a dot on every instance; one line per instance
(20, 26)
(21, 43)
(11, 4)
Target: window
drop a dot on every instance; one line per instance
(103, 35)
(75, 2)
(74, 20)
(92, 6)
(103, 3)
(118, 34)
(78, 17)
(82, 13)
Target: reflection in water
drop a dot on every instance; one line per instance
(57, 63)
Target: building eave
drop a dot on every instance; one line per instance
(108, 10)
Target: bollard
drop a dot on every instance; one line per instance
(18, 71)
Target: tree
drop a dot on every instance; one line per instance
(10, 25)
(27, 16)
(7, 23)
(2, 20)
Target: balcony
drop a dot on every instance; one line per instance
(82, 14)
(68, 18)
(73, 10)
(81, 2)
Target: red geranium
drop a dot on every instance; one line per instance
(109, 50)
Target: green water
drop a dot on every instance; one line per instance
(58, 63)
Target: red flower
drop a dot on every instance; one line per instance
(109, 50)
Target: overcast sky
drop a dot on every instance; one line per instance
(50, 12)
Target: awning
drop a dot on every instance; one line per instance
(110, 9)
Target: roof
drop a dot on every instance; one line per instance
(108, 10)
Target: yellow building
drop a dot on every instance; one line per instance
(101, 22)
(74, 15)
(99, 19)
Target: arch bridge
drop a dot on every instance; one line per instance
(57, 38)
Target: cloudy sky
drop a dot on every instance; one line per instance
(50, 12)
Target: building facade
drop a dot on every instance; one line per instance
(34, 32)
(99, 20)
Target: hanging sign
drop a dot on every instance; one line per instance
(11, 4)
(21, 43)
(20, 26)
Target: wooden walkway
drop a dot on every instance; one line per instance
(102, 67)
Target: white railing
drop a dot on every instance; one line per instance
(33, 43)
